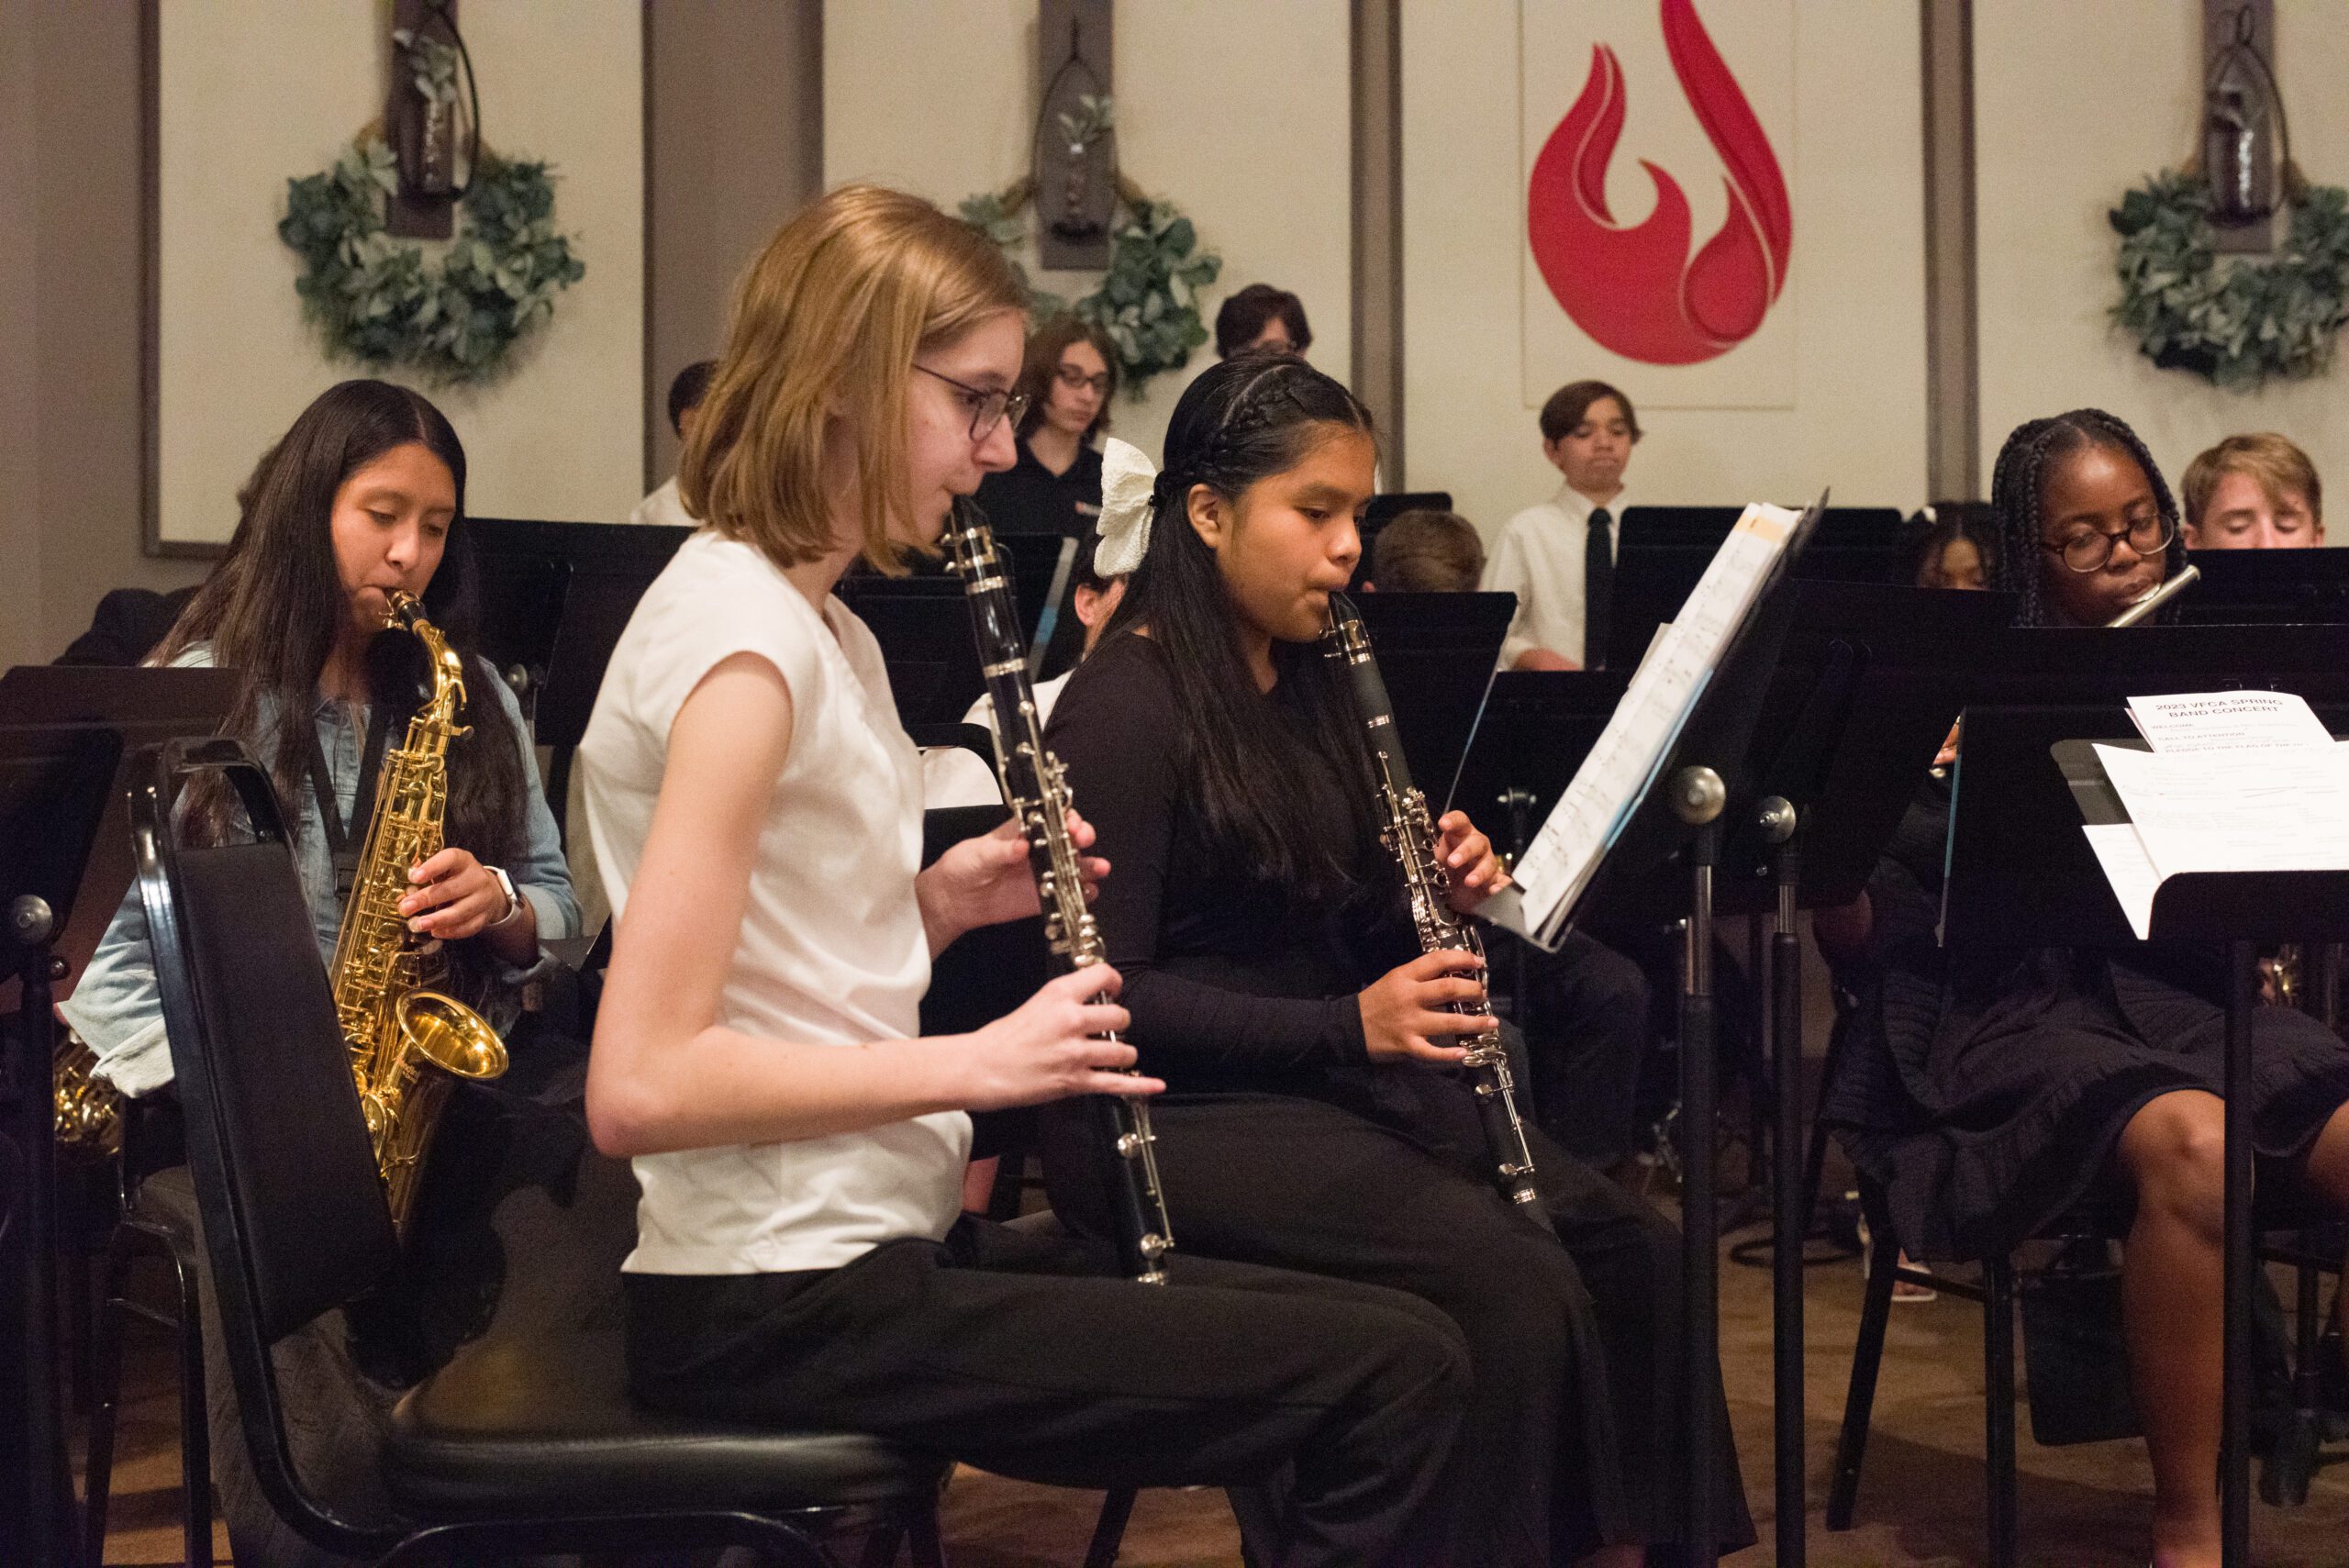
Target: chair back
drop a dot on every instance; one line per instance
(295, 1220)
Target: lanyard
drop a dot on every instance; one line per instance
(343, 842)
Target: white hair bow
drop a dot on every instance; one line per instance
(1127, 479)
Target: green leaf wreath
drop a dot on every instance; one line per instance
(2240, 321)
(453, 318)
(1147, 303)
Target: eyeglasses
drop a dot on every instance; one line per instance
(2089, 551)
(988, 408)
(1076, 379)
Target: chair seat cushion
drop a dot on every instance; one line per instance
(547, 1425)
(166, 1203)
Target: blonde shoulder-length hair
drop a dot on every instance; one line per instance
(827, 324)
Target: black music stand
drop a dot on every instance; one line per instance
(924, 630)
(1041, 571)
(1677, 828)
(555, 598)
(2022, 873)
(534, 573)
(1537, 728)
(1839, 735)
(923, 624)
(63, 733)
(1437, 653)
(1663, 551)
(2248, 587)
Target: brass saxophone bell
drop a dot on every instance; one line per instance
(449, 1035)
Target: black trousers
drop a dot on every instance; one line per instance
(1016, 1354)
(1586, 1043)
(1571, 1319)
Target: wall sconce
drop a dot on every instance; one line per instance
(2245, 151)
(435, 140)
(1075, 144)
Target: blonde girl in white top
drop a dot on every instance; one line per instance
(756, 811)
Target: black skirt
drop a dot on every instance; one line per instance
(2024, 1094)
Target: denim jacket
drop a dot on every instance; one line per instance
(116, 1006)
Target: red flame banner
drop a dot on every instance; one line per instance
(1637, 291)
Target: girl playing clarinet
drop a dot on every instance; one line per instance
(1313, 1118)
(756, 808)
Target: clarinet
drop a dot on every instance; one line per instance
(1037, 789)
(1410, 833)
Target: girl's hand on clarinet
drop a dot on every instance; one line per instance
(985, 880)
(1402, 1016)
(1049, 1048)
(1468, 856)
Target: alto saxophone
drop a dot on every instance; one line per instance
(395, 1023)
(1410, 833)
(88, 1109)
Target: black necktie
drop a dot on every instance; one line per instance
(1597, 587)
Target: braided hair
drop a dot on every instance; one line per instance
(2018, 491)
(1258, 765)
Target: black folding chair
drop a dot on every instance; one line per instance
(158, 1221)
(513, 1448)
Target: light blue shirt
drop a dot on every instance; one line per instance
(116, 1008)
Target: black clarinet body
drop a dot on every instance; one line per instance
(1039, 795)
(1409, 831)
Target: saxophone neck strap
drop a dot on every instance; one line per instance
(346, 836)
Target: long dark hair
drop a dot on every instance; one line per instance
(274, 606)
(2017, 490)
(1281, 779)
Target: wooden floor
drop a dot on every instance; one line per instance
(1920, 1502)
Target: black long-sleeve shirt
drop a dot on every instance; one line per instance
(1232, 986)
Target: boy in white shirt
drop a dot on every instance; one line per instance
(1558, 558)
(686, 393)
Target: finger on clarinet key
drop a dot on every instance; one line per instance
(1130, 1086)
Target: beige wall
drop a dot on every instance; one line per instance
(70, 161)
(734, 146)
(2056, 146)
(70, 451)
(561, 79)
(1252, 137)
(19, 386)
(1853, 302)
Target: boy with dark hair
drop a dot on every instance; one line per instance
(1263, 318)
(1558, 558)
(690, 386)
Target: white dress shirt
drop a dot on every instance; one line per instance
(664, 507)
(952, 776)
(1538, 557)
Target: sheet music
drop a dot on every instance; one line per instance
(1615, 777)
(2259, 809)
(2226, 721)
(2129, 870)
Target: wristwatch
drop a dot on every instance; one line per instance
(513, 899)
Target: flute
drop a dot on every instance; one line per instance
(1409, 832)
(1038, 792)
(2156, 597)
(2153, 599)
